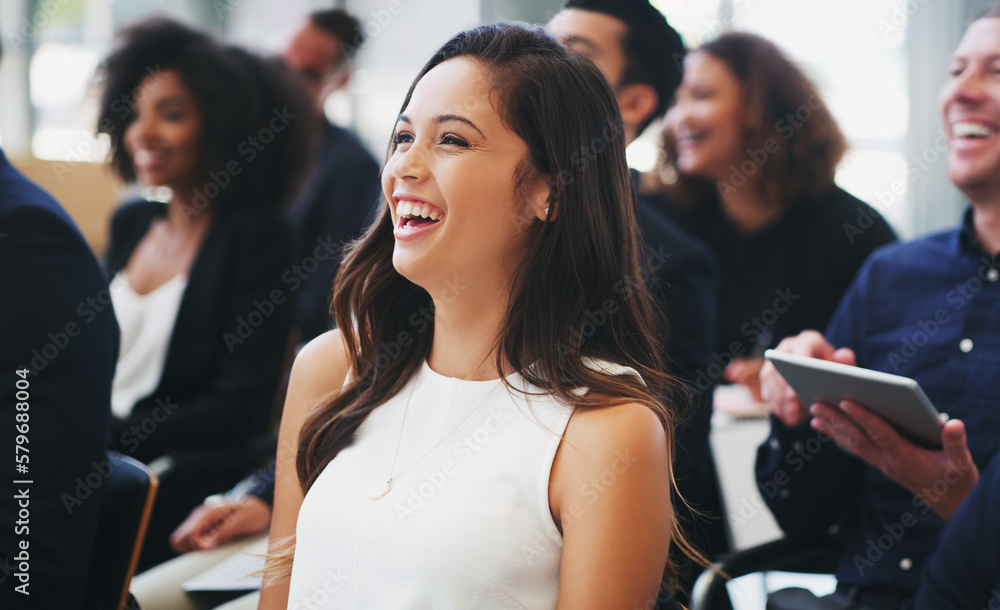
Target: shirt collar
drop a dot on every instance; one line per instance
(968, 243)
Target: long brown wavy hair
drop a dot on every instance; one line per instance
(808, 149)
(577, 263)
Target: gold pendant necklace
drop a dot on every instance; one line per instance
(376, 492)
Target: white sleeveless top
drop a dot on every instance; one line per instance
(465, 526)
(146, 322)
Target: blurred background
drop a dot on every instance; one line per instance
(880, 64)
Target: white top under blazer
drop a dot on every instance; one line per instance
(467, 526)
(147, 323)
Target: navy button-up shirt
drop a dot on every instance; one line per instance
(929, 310)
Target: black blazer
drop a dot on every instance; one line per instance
(50, 276)
(228, 344)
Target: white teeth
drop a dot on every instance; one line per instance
(406, 209)
(971, 130)
(143, 156)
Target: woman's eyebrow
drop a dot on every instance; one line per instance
(444, 118)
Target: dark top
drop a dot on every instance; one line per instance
(682, 274)
(53, 323)
(229, 340)
(789, 276)
(337, 200)
(929, 310)
(965, 570)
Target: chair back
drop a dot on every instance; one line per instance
(127, 502)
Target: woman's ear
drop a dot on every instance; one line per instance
(637, 102)
(542, 203)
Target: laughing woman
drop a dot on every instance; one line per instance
(190, 276)
(486, 428)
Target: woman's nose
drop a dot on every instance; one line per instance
(409, 164)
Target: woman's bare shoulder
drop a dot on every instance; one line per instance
(614, 427)
(320, 369)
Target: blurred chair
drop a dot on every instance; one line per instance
(126, 505)
(89, 192)
(783, 555)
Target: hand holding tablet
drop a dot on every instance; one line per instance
(899, 400)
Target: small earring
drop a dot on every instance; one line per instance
(546, 211)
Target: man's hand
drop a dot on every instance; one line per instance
(746, 371)
(775, 390)
(211, 525)
(941, 479)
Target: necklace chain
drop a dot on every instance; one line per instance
(378, 495)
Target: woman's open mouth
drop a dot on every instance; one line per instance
(415, 217)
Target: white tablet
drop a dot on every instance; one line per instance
(899, 400)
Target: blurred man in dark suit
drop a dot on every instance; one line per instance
(641, 56)
(58, 347)
(341, 192)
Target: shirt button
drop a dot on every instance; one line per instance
(797, 446)
(785, 493)
(775, 444)
(993, 275)
(905, 564)
(965, 345)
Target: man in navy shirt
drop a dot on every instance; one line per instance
(929, 310)
(965, 570)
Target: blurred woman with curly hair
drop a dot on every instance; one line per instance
(196, 281)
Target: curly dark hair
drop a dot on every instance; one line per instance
(257, 121)
(784, 112)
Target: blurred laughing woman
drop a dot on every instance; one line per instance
(192, 385)
(755, 150)
(485, 429)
